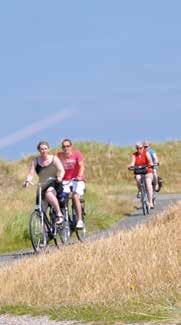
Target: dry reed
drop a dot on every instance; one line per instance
(142, 262)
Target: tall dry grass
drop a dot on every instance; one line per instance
(142, 263)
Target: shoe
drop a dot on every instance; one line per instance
(59, 220)
(138, 195)
(80, 224)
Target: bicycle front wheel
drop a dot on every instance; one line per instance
(37, 231)
(81, 233)
(63, 230)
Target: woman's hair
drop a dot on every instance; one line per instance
(44, 143)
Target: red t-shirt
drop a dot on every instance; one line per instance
(71, 164)
(141, 159)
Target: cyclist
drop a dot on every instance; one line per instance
(45, 166)
(73, 162)
(139, 158)
(147, 146)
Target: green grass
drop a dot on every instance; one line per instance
(99, 215)
(132, 311)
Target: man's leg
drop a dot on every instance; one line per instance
(78, 191)
(76, 199)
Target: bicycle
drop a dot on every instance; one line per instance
(70, 216)
(154, 185)
(42, 225)
(141, 170)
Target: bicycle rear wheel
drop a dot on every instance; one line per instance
(81, 233)
(37, 231)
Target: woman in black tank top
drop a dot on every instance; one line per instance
(45, 166)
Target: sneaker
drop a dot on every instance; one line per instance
(80, 224)
(138, 195)
(59, 220)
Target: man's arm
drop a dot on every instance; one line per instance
(60, 169)
(155, 158)
(150, 161)
(81, 165)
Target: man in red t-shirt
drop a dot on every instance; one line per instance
(73, 163)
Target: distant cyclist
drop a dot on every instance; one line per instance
(73, 163)
(147, 146)
(142, 158)
(45, 166)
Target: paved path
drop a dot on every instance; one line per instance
(137, 217)
(130, 221)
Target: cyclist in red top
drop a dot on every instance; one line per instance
(73, 163)
(139, 158)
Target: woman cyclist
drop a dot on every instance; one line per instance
(142, 158)
(45, 166)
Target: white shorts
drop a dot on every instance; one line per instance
(77, 187)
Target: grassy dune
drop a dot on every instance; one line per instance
(130, 276)
(107, 176)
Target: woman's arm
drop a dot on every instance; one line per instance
(31, 173)
(60, 169)
(132, 161)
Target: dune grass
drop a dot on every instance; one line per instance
(132, 276)
(109, 188)
(137, 277)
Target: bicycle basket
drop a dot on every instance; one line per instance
(140, 170)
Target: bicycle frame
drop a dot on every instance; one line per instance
(139, 171)
(44, 232)
(144, 199)
(71, 214)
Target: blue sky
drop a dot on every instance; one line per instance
(98, 70)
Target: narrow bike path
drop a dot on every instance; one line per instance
(137, 218)
(130, 221)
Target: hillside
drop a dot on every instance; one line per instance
(106, 173)
(131, 276)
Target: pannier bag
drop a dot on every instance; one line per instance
(160, 183)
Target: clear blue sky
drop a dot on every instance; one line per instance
(111, 68)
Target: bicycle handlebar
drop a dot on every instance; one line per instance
(137, 167)
(26, 183)
(142, 166)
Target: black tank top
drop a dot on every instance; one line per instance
(45, 172)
